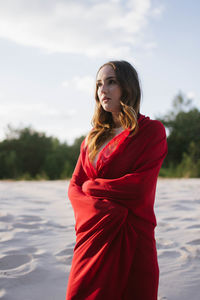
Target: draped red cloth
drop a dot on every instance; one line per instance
(115, 254)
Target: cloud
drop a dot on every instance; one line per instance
(81, 83)
(157, 11)
(92, 27)
(32, 111)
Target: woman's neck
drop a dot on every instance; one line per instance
(116, 120)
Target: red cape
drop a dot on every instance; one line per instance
(115, 253)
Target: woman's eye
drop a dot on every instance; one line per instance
(98, 84)
(111, 81)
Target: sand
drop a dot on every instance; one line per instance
(37, 238)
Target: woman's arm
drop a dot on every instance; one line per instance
(138, 183)
(92, 213)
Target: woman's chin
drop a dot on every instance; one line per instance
(107, 108)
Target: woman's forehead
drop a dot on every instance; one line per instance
(105, 71)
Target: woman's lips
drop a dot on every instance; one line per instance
(105, 99)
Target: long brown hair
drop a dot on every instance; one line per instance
(102, 120)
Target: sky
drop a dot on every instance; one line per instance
(50, 51)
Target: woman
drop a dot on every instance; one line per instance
(112, 192)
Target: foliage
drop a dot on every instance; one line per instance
(27, 154)
(183, 126)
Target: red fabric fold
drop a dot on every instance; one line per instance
(115, 253)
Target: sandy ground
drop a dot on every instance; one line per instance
(37, 239)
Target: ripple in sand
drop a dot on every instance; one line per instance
(187, 220)
(65, 256)
(37, 210)
(5, 217)
(194, 242)
(35, 201)
(6, 236)
(165, 244)
(190, 254)
(15, 265)
(195, 226)
(26, 226)
(30, 218)
(52, 224)
(180, 207)
(169, 254)
(66, 251)
(170, 218)
(166, 226)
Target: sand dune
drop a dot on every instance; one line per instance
(37, 239)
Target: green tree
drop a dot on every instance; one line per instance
(183, 125)
(183, 128)
(28, 154)
(190, 164)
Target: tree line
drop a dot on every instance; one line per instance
(28, 154)
(183, 126)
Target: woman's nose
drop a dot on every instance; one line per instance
(104, 88)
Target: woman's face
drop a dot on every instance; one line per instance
(108, 90)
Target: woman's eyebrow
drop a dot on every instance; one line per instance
(107, 78)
